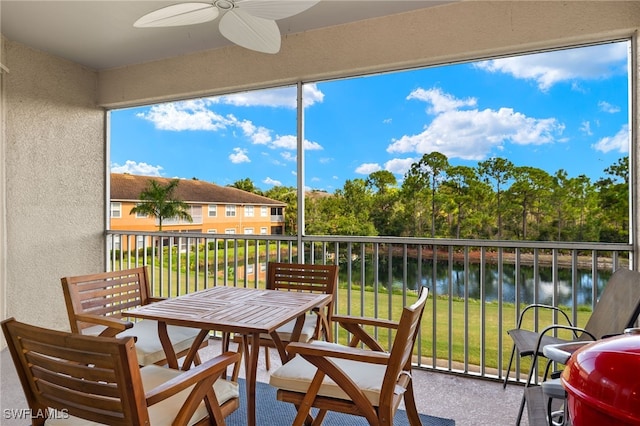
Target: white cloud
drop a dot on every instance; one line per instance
(607, 107)
(285, 142)
(239, 156)
(619, 142)
(287, 156)
(134, 168)
(399, 166)
(368, 168)
(187, 115)
(273, 182)
(284, 97)
(290, 142)
(472, 134)
(440, 101)
(549, 68)
(259, 135)
(195, 115)
(312, 146)
(585, 128)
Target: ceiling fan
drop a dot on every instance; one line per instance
(247, 23)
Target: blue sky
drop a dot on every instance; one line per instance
(564, 109)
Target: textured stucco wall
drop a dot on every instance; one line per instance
(55, 178)
(449, 33)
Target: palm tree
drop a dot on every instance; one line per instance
(157, 201)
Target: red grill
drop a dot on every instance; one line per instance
(602, 381)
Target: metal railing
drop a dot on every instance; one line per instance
(477, 287)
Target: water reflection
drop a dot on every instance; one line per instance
(539, 289)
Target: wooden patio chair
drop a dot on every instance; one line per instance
(304, 278)
(617, 309)
(353, 380)
(95, 304)
(70, 378)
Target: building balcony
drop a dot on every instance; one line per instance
(477, 290)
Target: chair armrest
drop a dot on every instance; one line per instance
(355, 326)
(536, 306)
(207, 372)
(341, 319)
(114, 325)
(155, 299)
(575, 331)
(337, 351)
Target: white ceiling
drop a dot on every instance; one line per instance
(100, 34)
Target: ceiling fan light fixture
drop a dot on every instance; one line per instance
(247, 23)
(224, 5)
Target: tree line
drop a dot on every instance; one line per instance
(494, 200)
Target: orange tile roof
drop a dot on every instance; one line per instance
(127, 187)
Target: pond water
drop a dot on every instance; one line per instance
(456, 285)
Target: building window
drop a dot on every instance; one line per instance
(248, 231)
(263, 230)
(248, 211)
(194, 211)
(212, 231)
(116, 210)
(230, 231)
(213, 210)
(264, 211)
(230, 211)
(141, 215)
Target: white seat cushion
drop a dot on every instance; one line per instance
(148, 346)
(285, 331)
(162, 413)
(296, 375)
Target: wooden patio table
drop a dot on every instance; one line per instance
(246, 311)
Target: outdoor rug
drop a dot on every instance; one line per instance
(271, 412)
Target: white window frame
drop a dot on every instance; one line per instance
(248, 211)
(230, 210)
(212, 210)
(116, 207)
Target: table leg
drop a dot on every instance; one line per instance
(169, 351)
(193, 351)
(251, 349)
(295, 336)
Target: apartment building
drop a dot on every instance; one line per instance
(214, 209)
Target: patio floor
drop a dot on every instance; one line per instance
(469, 401)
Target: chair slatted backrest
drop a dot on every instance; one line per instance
(95, 378)
(105, 294)
(619, 305)
(302, 277)
(307, 278)
(402, 349)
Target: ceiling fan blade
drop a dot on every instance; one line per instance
(252, 32)
(179, 14)
(275, 9)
